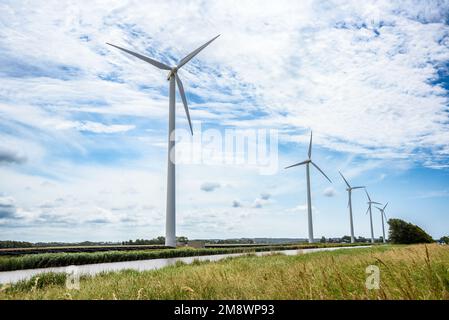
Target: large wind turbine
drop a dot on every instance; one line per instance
(170, 226)
(349, 189)
(382, 214)
(309, 197)
(371, 214)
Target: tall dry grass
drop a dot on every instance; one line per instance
(59, 259)
(406, 272)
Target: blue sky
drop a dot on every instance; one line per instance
(83, 127)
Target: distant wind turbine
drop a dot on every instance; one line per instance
(349, 189)
(170, 226)
(309, 197)
(382, 214)
(371, 214)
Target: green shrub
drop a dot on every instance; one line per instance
(40, 281)
(402, 232)
(444, 239)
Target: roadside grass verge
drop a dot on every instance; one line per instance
(406, 272)
(45, 260)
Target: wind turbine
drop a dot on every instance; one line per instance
(382, 214)
(349, 189)
(170, 225)
(370, 214)
(309, 197)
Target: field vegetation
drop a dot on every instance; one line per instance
(406, 272)
(45, 260)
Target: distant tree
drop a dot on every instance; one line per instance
(402, 232)
(234, 241)
(158, 240)
(361, 239)
(15, 244)
(182, 239)
(444, 239)
(323, 240)
(346, 239)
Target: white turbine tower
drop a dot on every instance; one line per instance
(371, 214)
(309, 197)
(170, 226)
(382, 214)
(349, 189)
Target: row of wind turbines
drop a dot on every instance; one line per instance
(349, 188)
(174, 80)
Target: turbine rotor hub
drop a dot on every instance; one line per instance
(172, 72)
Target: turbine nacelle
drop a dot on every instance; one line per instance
(309, 161)
(172, 73)
(382, 210)
(349, 188)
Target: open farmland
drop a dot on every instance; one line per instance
(406, 272)
(44, 260)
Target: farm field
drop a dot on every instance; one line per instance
(58, 259)
(406, 272)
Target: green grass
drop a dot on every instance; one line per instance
(45, 260)
(406, 272)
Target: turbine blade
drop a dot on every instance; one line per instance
(362, 187)
(346, 181)
(184, 100)
(297, 164)
(369, 199)
(380, 209)
(310, 145)
(385, 216)
(155, 63)
(385, 205)
(376, 202)
(367, 210)
(188, 57)
(321, 171)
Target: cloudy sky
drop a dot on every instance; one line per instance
(83, 127)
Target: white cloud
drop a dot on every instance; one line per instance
(8, 157)
(236, 204)
(7, 207)
(356, 64)
(210, 186)
(434, 194)
(261, 202)
(302, 208)
(101, 128)
(265, 196)
(329, 192)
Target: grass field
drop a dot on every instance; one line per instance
(45, 260)
(406, 272)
